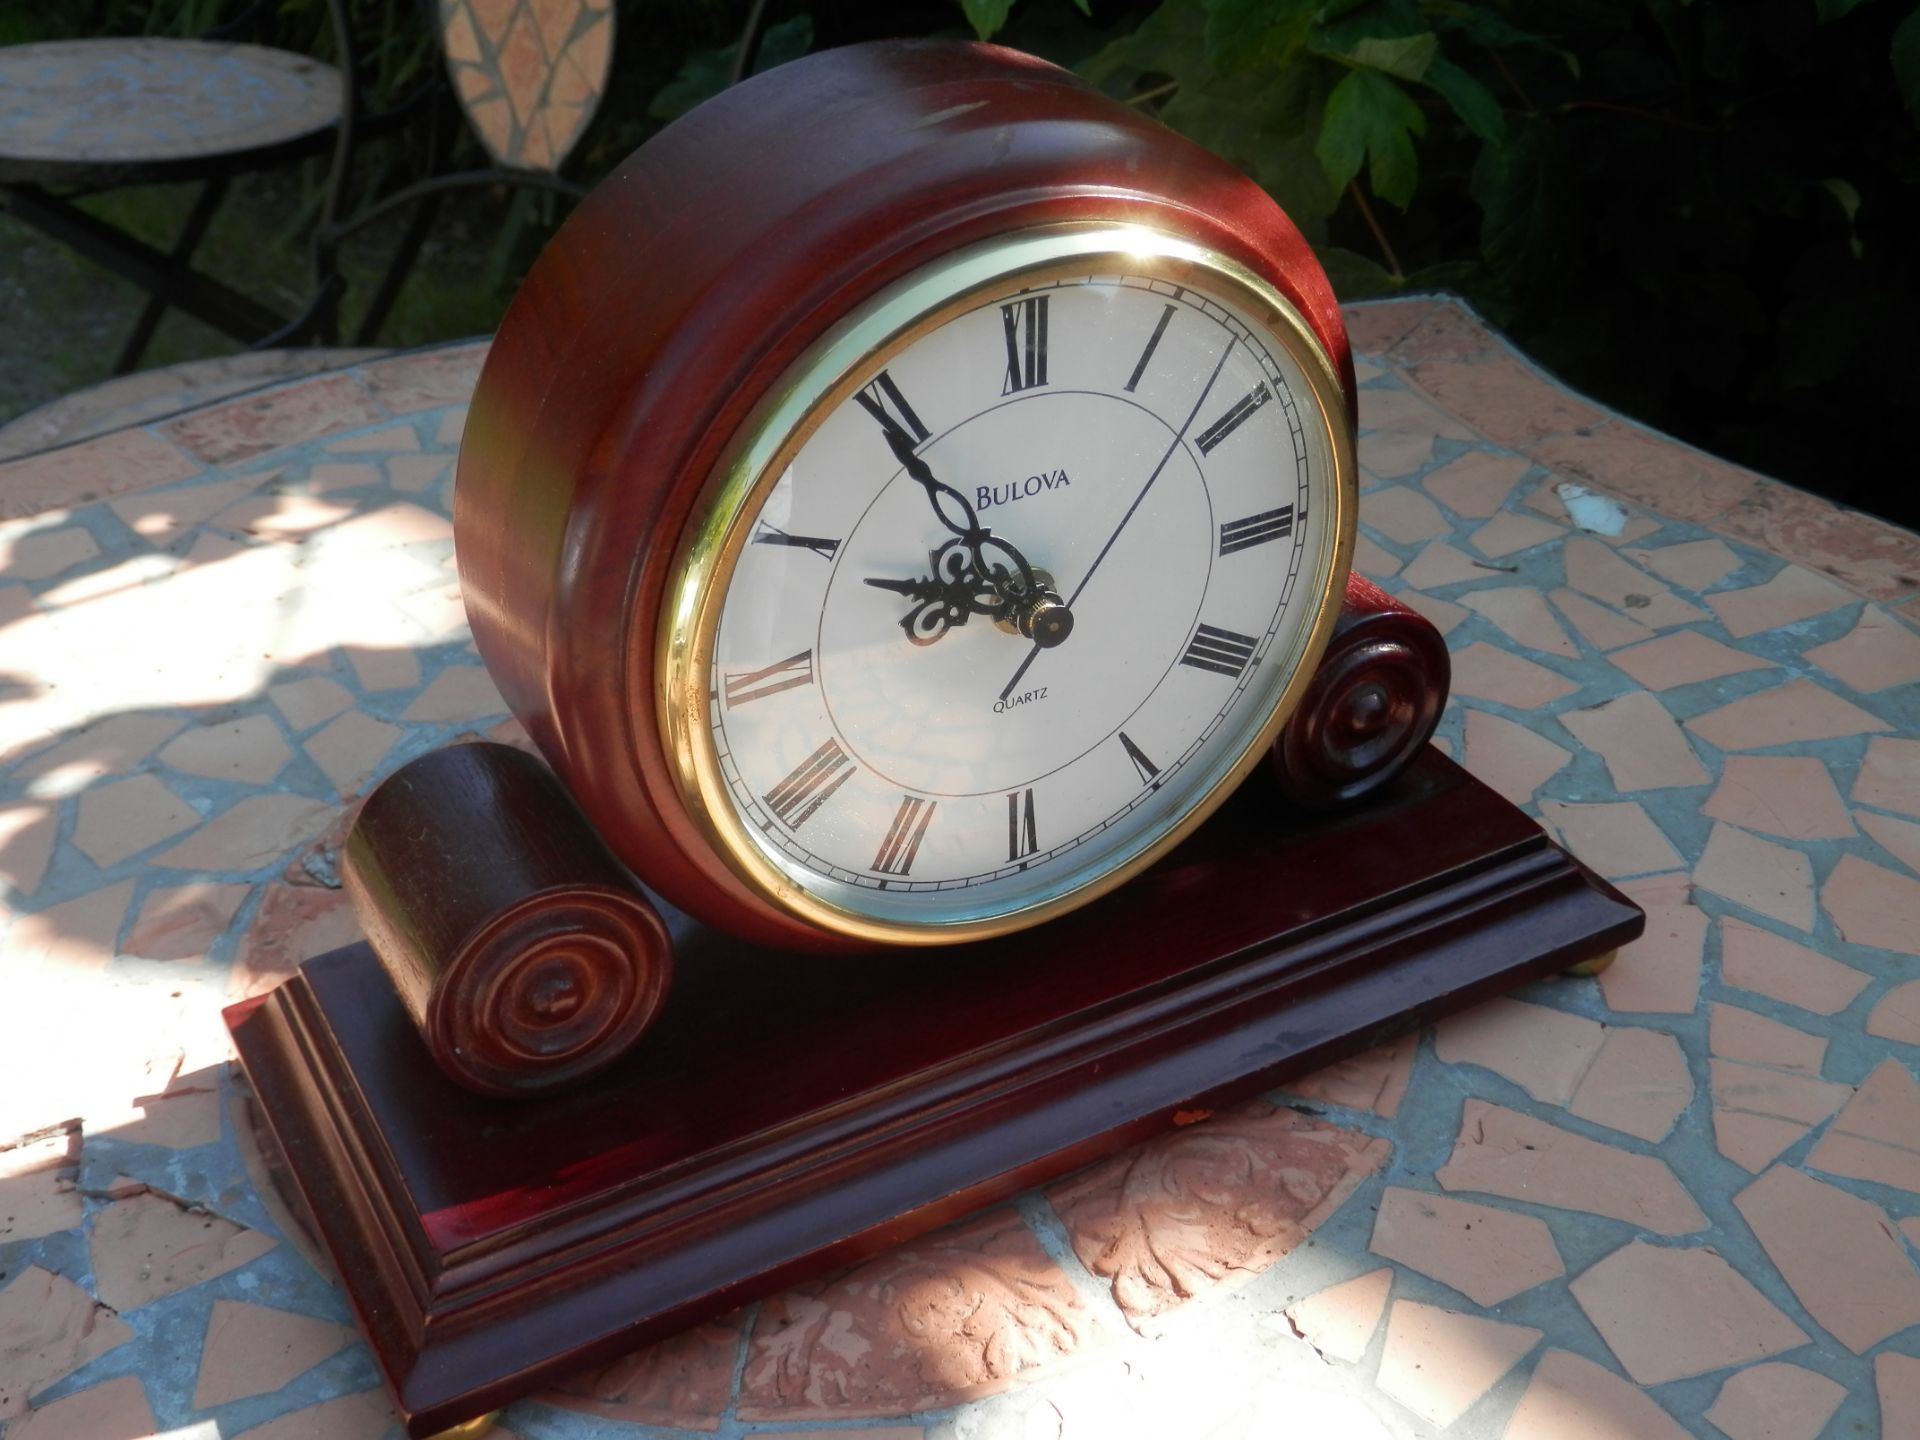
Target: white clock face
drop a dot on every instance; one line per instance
(1025, 600)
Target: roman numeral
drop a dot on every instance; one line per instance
(910, 823)
(1230, 422)
(812, 781)
(1226, 652)
(1022, 838)
(1256, 529)
(1153, 343)
(1026, 355)
(774, 535)
(743, 686)
(1146, 769)
(883, 401)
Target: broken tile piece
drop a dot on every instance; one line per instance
(1438, 563)
(1791, 714)
(1897, 1016)
(1438, 1362)
(1509, 533)
(1660, 972)
(1693, 564)
(1211, 1204)
(1512, 758)
(1616, 839)
(1890, 776)
(249, 749)
(1542, 1050)
(1473, 485)
(310, 702)
(181, 922)
(1758, 874)
(1774, 966)
(111, 1410)
(1899, 838)
(1791, 796)
(1404, 516)
(1490, 673)
(1896, 1381)
(366, 1416)
(1877, 654)
(1872, 906)
(1502, 1152)
(1792, 595)
(1759, 1112)
(1838, 1253)
(1734, 1033)
(1339, 1321)
(1486, 1253)
(458, 694)
(1597, 570)
(49, 1327)
(254, 1350)
(1604, 629)
(120, 820)
(1372, 559)
(1444, 614)
(1644, 749)
(1522, 616)
(150, 1245)
(350, 748)
(258, 831)
(1670, 1313)
(37, 1193)
(1775, 1401)
(1638, 1084)
(1571, 1398)
(1684, 658)
(1876, 1136)
(26, 843)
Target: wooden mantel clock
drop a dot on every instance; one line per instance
(910, 507)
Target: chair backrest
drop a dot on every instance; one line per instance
(528, 73)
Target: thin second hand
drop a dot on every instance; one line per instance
(1206, 390)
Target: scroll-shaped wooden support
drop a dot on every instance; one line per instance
(523, 950)
(1371, 705)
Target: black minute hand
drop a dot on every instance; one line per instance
(1074, 598)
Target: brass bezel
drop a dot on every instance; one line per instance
(825, 377)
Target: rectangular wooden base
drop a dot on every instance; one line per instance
(787, 1115)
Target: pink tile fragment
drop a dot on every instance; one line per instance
(1896, 1381)
(1791, 796)
(49, 1327)
(1617, 839)
(1670, 1313)
(1872, 906)
(26, 843)
(111, 1410)
(1758, 1112)
(151, 1245)
(1340, 1321)
(1598, 571)
(1899, 838)
(1514, 759)
(1837, 1252)
(1791, 714)
(1404, 516)
(1486, 1253)
(1509, 532)
(254, 1350)
(1502, 1152)
(1474, 484)
(1638, 1084)
(1438, 1362)
(1890, 776)
(1792, 595)
(1764, 877)
(1571, 1398)
(1897, 1016)
(1660, 972)
(1374, 1080)
(1775, 1401)
(1692, 564)
(1542, 1050)
(1642, 746)
(1684, 658)
(1876, 1137)
(1734, 1033)
(1774, 966)
(1604, 629)
(1881, 651)
(1521, 614)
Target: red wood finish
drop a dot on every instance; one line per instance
(678, 293)
(525, 955)
(1372, 705)
(782, 1119)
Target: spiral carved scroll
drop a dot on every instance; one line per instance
(1373, 702)
(521, 948)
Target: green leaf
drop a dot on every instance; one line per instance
(986, 16)
(1354, 276)
(1369, 119)
(1906, 61)
(703, 74)
(1405, 57)
(1240, 33)
(1085, 7)
(1476, 106)
(1834, 9)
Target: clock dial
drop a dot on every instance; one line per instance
(1023, 597)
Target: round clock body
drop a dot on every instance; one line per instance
(908, 497)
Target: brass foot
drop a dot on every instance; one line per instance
(470, 1429)
(1591, 967)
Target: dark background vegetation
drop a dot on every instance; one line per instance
(1700, 211)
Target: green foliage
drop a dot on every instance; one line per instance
(1369, 118)
(705, 72)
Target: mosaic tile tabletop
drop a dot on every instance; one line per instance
(1681, 1200)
